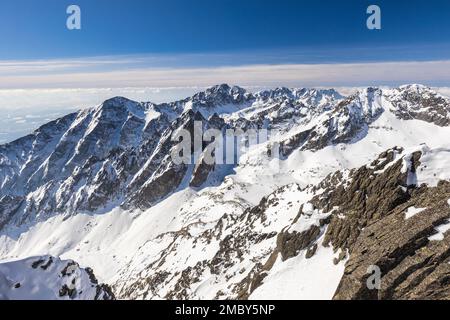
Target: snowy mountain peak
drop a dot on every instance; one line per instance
(277, 93)
(219, 99)
(117, 101)
(221, 94)
(224, 88)
(414, 87)
(308, 94)
(122, 104)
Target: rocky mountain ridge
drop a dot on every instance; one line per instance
(236, 231)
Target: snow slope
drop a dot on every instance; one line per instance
(302, 279)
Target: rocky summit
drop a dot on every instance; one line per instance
(355, 204)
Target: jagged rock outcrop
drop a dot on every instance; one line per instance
(370, 223)
(412, 264)
(420, 102)
(49, 278)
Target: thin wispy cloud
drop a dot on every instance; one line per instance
(126, 72)
(41, 67)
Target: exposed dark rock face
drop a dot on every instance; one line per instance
(366, 197)
(295, 142)
(201, 173)
(8, 207)
(347, 122)
(290, 244)
(368, 222)
(422, 103)
(412, 266)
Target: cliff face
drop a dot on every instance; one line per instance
(382, 218)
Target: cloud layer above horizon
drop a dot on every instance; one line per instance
(182, 71)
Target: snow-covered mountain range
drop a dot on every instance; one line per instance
(361, 181)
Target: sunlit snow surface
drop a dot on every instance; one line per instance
(412, 211)
(302, 279)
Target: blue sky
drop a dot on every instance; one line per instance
(179, 42)
(32, 29)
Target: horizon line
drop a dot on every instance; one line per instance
(430, 73)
